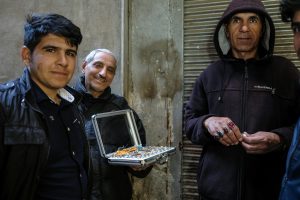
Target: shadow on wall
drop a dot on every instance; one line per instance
(160, 76)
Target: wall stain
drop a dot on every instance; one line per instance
(161, 77)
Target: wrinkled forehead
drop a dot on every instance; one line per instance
(105, 57)
(245, 15)
(100, 54)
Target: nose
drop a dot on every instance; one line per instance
(103, 71)
(62, 60)
(244, 27)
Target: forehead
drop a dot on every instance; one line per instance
(296, 17)
(245, 15)
(56, 41)
(105, 57)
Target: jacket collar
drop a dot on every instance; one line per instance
(80, 87)
(66, 93)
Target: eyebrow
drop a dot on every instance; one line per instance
(55, 47)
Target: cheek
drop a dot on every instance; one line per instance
(297, 41)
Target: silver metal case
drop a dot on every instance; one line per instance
(119, 141)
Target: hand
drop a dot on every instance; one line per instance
(223, 130)
(140, 167)
(260, 142)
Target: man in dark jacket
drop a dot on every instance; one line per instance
(99, 68)
(243, 108)
(43, 148)
(290, 12)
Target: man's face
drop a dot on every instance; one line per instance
(51, 63)
(296, 22)
(99, 73)
(244, 32)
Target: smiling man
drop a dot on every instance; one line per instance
(242, 109)
(98, 71)
(43, 148)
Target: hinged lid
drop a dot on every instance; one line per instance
(114, 130)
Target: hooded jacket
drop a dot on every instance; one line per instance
(109, 182)
(258, 94)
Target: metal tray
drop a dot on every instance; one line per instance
(119, 141)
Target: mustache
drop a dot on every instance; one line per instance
(102, 78)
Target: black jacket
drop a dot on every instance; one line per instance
(258, 95)
(24, 147)
(109, 182)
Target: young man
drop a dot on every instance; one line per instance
(246, 91)
(43, 148)
(290, 12)
(109, 182)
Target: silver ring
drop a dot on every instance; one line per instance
(218, 135)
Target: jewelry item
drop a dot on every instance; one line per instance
(230, 125)
(219, 135)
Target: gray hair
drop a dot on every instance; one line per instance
(90, 57)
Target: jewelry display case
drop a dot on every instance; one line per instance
(119, 141)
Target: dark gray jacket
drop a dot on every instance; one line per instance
(24, 147)
(258, 95)
(109, 182)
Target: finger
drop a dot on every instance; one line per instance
(235, 131)
(219, 136)
(230, 136)
(252, 149)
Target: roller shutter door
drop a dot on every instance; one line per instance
(200, 18)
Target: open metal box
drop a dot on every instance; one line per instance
(119, 141)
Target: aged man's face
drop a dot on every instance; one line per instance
(296, 30)
(99, 73)
(244, 32)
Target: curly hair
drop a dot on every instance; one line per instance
(288, 9)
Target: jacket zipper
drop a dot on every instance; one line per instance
(243, 122)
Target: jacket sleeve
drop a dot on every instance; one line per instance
(1, 143)
(196, 112)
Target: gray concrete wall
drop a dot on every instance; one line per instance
(99, 20)
(155, 82)
(146, 37)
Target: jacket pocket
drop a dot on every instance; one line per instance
(23, 135)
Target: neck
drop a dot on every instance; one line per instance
(50, 92)
(244, 55)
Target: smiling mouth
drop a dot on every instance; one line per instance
(101, 80)
(60, 73)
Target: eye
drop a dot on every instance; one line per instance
(111, 70)
(98, 65)
(235, 20)
(296, 27)
(71, 53)
(253, 19)
(50, 49)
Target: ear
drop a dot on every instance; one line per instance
(83, 65)
(26, 55)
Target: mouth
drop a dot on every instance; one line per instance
(101, 80)
(60, 73)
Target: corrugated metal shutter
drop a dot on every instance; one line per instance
(200, 18)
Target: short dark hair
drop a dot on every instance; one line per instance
(39, 25)
(288, 9)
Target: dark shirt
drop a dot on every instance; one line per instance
(64, 177)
